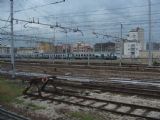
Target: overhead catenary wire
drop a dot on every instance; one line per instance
(76, 13)
(115, 18)
(3, 20)
(51, 26)
(28, 36)
(139, 6)
(126, 23)
(100, 25)
(35, 7)
(112, 18)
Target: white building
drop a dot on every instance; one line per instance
(132, 49)
(118, 48)
(134, 43)
(4, 49)
(137, 35)
(25, 51)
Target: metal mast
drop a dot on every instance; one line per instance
(121, 47)
(66, 47)
(150, 34)
(54, 46)
(12, 40)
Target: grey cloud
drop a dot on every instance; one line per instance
(82, 8)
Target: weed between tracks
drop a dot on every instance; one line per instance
(10, 91)
(85, 116)
(29, 105)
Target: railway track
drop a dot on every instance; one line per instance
(134, 72)
(150, 92)
(133, 110)
(76, 62)
(139, 67)
(103, 73)
(6, 115)
(142, 90)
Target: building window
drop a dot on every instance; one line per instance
(134, 36)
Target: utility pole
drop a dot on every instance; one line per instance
(54, 46)
(12, 40)
(101, 48)
(121, 47)
(66, 49)
(88, 61)
(89, 53)
(150, 34)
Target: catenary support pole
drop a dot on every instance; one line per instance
(150, 34)
(12, 40)
(121, 47)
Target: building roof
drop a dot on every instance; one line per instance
(136, 29)
(1, 45)
(106, 43)
(131, 41)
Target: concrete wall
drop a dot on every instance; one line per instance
(144, 54)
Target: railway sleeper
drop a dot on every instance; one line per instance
(132, 112)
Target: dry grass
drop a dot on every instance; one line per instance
(9, 91)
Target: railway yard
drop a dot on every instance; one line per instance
(59, 91)
(79, 60)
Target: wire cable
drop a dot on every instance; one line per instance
(35, 7)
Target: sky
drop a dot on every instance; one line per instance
(101, 16)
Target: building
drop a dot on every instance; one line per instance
(119, 47)
(25, 50)
(63, 48)
(82, 47)
(58, 49)
(4, 49)
(132, 49)
(155, 46)
(45, 47)
(137, 35)
(144, 54)
(105, 49)
(134, 43)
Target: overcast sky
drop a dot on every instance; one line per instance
(103, 16)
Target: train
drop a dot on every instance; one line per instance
(110, 56)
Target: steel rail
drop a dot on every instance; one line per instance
(103, 106)
(114, 88)
(4, 115)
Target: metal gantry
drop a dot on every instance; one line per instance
(31, 22)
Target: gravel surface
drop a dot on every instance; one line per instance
(60, 111)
